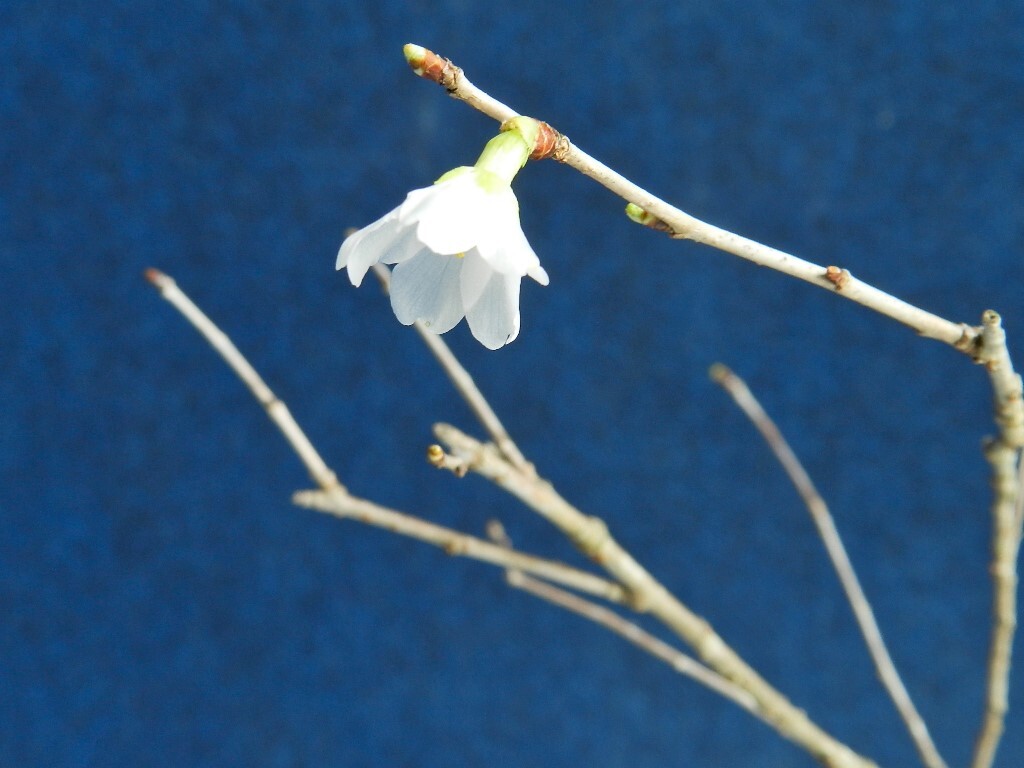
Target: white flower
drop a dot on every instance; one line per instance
(459, 251)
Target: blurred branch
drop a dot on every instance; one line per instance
(825, 524)
(679, 661)
(459, 544)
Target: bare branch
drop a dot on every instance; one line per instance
(986, 344)
(334, 499)
(679, 661)
(825, 524)
(459, 544)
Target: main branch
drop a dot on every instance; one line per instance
(430, 66)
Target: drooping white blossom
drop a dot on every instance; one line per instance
(458, 248)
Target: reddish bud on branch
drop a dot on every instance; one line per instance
(430, 66)
(838, 277)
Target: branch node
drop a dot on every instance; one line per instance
(840, 278)
(455, 547)
(990, 350)
(437, 457)
(496, 533)
(591, 537)
(548, 139)
(562, 150)
(649, 220)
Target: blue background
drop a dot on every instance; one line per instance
(162, 603)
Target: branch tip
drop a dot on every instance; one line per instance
(430, 66)
(439, 458)
(435, 454)
(157, 278)
(991, 319)
(720, 372)
(415, 55)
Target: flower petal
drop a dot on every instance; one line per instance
(507, 250)
(538, 273)
(426, 287)
(447, 216)
(475, 275)
(364, 248)
(503, 244)
(494, 316)
(404, 248)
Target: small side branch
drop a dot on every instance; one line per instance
(459, 544)
(610, 620)
(679, 661)
(825, 524)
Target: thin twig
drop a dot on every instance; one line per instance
(278, 412)
(825, 524)
(1004, 457)
(592, 537)
(679, 661)
(459, 544)
(644, 640)
(429, 65)
(464, 384)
